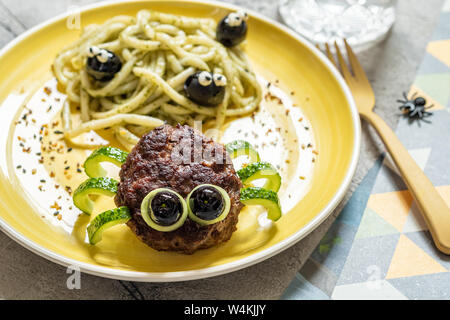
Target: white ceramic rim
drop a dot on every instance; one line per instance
(227, 267)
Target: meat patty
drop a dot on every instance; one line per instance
(179, 158)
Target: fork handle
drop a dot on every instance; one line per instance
(434, 209)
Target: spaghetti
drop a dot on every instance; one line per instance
(159, 52)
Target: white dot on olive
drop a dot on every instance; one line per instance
(234, 20)
(204, 78)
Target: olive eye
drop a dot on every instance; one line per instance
(232, 30)
(220, 80)
(164, 210)
(93, 51)
(243, 15)
(208, 204)
(205, 78)
(234, 20)
(199, 88)
(103, 56)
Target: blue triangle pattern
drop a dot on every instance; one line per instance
(424, 287)
(336, 244)
(353, 211)
(432, 65)
(302, 289)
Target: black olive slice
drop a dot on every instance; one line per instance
(208, 204)
(164, 210)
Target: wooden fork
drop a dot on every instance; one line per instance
(433, 208)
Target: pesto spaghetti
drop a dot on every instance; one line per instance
(153, 56)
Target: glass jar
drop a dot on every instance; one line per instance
(362, 22)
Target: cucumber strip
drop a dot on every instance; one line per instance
(242, 148)
(92, 165)
(267, 198)
(101, 186)
(261, 170)
(106, 220)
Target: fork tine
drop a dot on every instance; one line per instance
(344, 69)
(330, 55)
(358, 70)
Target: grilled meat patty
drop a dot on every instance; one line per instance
(179, 158)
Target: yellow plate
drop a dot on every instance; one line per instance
(278, 55)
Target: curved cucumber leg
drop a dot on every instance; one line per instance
(263, 197)
(92, 165)
(261, 170)
(100, 186)
(242, 148)
(106, 220)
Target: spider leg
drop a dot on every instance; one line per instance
(402, 101)
(429, 106)
(410, 120)
(427, 114)
(414, 95)
(420, 114)
(413, 113)
(425, 120)
(405, 96)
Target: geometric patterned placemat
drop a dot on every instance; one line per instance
(379, 246)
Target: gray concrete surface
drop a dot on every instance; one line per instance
(391, 67)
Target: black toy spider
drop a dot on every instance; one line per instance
(415, 108)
